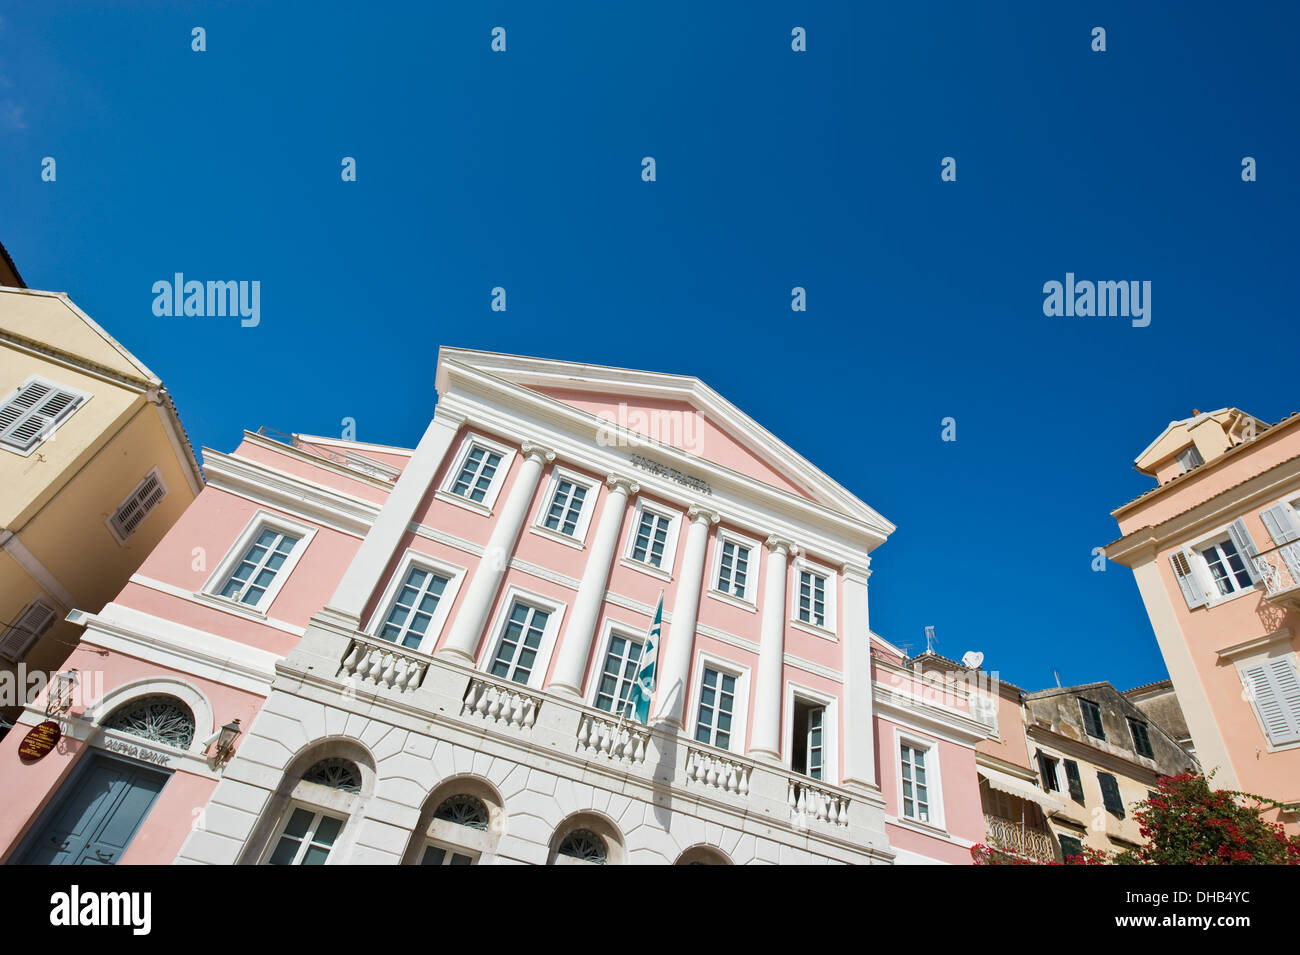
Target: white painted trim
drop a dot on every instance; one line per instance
(455, 576)
(183, 690)
(596, 666)
(219, 604)
(752, 561)
(83, 398)
(579, 538)
(262, 520)
(555, 610)
(37, 571)
(934, 777)
(739, 732)
(468, 441)
(289, 493)
(665, 569)
(798, 567)
(830, 728)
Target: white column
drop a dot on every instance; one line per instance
(765, 741)
(362, 576)
(467, 628)
(675, 665)
(575, 645)
(858, 725)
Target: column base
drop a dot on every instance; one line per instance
(454, 654)
(566, 691)
(765, 756)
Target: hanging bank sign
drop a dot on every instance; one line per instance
(40, 739)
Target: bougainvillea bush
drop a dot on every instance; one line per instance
(1187, 823)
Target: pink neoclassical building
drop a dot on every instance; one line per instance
(1215, 548)
(426, 652)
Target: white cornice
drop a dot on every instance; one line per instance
(909, 710)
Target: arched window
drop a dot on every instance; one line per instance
(702, 855)
(464, 810)
(585, 846)
(336, 773)
(161, 719)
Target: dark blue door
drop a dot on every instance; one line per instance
(96, 815)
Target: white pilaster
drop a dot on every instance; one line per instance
(575, 646)
(858, 725)
(362, 576)
(676, 663)
(765, 740)
(468, 626)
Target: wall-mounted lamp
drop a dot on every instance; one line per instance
(224, 740)
(62, 687)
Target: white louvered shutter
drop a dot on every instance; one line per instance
(1185, 571)
(136, 507)
(1245, 545)
(20, 636)
(33, 410)
(1275, 689)
(1282, 525)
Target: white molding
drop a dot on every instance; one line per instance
(455, 576)
(665, 569)
(596, 666)
(262, 520)
(830, 630)
(942, 722)
(36, 570)
(471, 438)
(579, 537)
(183, 690)
(830, 728)
(755, 550)
(933, 780)
(285, 492)
(739, 732)
(550, 635)
(219, 604)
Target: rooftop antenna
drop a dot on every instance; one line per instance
(929, 640)
(1056, 674)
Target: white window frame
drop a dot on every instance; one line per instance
(412, 559)
(467, 444)
(1255, 653)
(665, 570)
(81, 398)
(752, 575)
(1200, 567)
(1189, 450)
(830, 729)
(317, 812)
(739, 717)
(262, 520)
(108, 521)
(802, 565)
(449, 848)
(579, 537)
(555, 610)
(934, 778)
(596, 667)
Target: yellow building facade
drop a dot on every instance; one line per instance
(94, 469)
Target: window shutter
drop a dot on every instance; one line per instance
(1276, 693)
(1110, 794)
(20, 636)
(1072, 778)
(1184, 570)
(1245, 547)
(35, 408)
(137, 506)
(1281, 523)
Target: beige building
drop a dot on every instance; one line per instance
(94, 465)
(1159, 701)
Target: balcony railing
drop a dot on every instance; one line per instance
(382, 663)
(500, 703)
(1279, 569)
(1016, 837)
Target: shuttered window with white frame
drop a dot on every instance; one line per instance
(26, 630)
(1283, 527)
(33, 410)
(1185, 572)
(132, 512)
(1274, 689)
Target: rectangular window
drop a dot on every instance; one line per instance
(476, 473)
(435, 854)
(809, 756)
(1073, 780)
(717, 706)
(26, 630)
(733, 569)
(1274, 689)
(33, 410)
(1092, 719)
(306, 839)
(1071, 846)
(812, 598)
(1110, 794)
(618, 673)
(650, 539)
(1047, 769)
(916, 787)
(1226, 567)
(259, 566)
(413, 608)
(517, 652)
(566, 507)
(132, 512)
(1141, 739)
(1190, 458)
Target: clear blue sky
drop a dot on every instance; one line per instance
(775, 169)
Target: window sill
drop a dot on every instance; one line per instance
(1236, 595)
(815, 630)
(929, 828)
(231, 606)
(646, 569)
(731, 599)
(472, 506)
(542, 531)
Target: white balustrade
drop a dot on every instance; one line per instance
(808, 802)
(383, 664)
(713, 769)
(1279, 568)
(598, 736)
(500, 703)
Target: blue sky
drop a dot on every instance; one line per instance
(775, 169)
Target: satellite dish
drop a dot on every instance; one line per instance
(972, 659)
